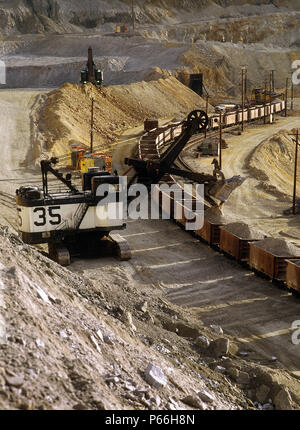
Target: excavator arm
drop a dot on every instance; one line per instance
(151, 172)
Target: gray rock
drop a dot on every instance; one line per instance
(268, 407)
(40, 343)
(141, 391)
(109, 339)
(100, 335)
(217, 329)
(143, 307)
(194, 402)
(203, 342)
(220, 369)
(206, 396)
(94, 340)
(219, 347)
(155, 376)
(174, 403)
(262, 393)
(283, 400)
(171, 407)
(243, 378)
(128, 386)
(112, 380)
(43, 295)
(54, 299)
(63, 334)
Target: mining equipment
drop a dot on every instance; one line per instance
(91, 73)
(72, 221)
(121, 29)
(82, 159)
(260, 96)
(216, 188)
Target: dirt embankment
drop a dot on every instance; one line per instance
(79, 343)
(75, 343)
(65, 117)
(273, 162)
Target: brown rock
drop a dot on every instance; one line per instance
(262, 393)
(283, 400)
(194, 402)
(219, 347)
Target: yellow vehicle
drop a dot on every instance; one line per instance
(82, 160)
(259, 96)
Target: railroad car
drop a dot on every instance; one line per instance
(230, 119)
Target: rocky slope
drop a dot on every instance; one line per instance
(36, 16)
(73, 342)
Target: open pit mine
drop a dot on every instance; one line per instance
(149, 207)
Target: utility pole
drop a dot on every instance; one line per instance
(243, 95)
(271, 94)
(133, 16)
(221, 139)
(292, 95)
(265, 101)
(295, 170)
(206, 110)
(273, 80)
(286, 96)
(92, 126)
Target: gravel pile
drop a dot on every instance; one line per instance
(214, 215)
(243, 231)
(279, 247)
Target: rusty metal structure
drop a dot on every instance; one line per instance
(267, 263)
(293, 275)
